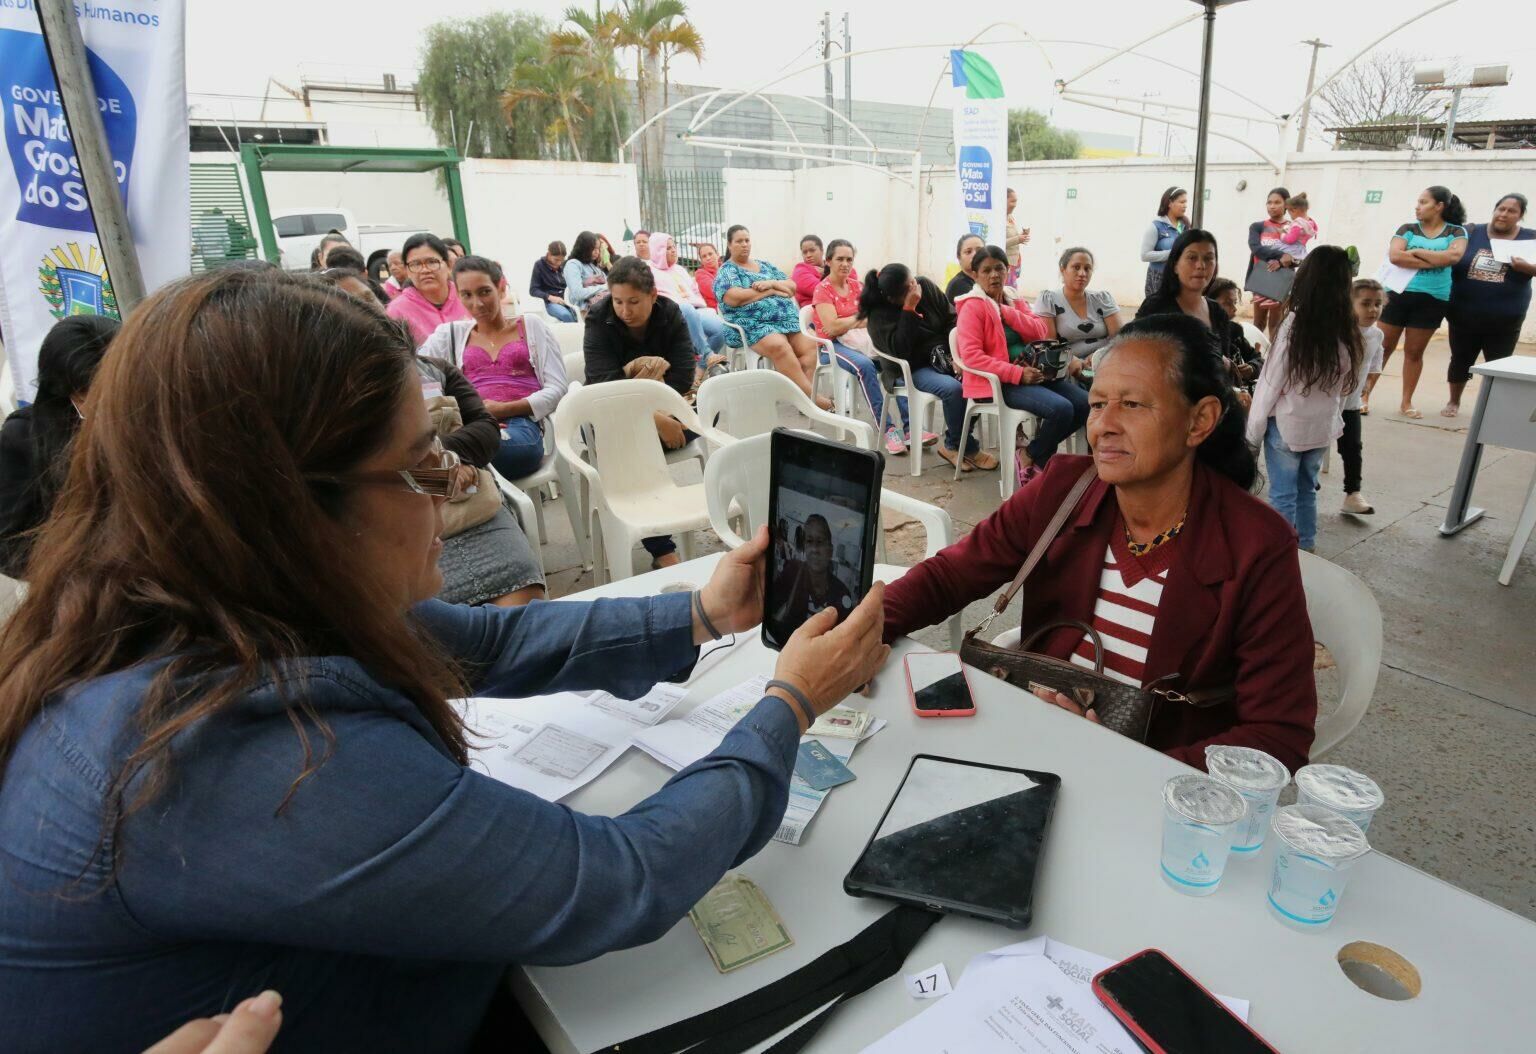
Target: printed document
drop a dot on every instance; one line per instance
(550, 746)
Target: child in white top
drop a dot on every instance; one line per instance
(1368, 298)
(1312, 367)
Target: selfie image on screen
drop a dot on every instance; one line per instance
(818, 544)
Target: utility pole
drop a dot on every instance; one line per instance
(847, 80)
(1141, 123)
(77, 93)
(826, 67)
(1306, 108)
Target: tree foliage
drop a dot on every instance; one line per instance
(1031, 137)
(1379, 89)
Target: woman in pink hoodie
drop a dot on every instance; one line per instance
(993, 335)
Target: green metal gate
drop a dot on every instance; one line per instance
(221, 228)
(690, 206)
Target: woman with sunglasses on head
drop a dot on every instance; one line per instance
(430, 300)
(228, 757)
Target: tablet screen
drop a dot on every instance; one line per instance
(961, 837)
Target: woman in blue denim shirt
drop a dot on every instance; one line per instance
(228, 758)
(1161, 233)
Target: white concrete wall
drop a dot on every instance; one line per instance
(1115, 201)
(764, 200)
(516, 208)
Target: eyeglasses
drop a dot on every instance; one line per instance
(436, 477)
(432, 264)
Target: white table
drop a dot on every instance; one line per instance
(1099, 889)
(1505, 416)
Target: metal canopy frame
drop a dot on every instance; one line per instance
(260, 158)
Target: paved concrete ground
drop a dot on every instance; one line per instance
(1451, 732)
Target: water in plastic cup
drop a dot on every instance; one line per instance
(1259, 778)
(1315, 848)
(1345, 791)
(1200, 815)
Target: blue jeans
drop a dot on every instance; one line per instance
(868, 374)
(705, 329)
(951, 398)
(1293, 484)
(560, 312)
(1062, 407)
(522, 448)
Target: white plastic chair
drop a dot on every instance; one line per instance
(1347, 621)
(742, 358)
(736, 487)
(569, 335)
(7, 386)
(839, 381)
(1256, 337)
(633, 495)
(921, 408)
(747, 404)
(1009, 421)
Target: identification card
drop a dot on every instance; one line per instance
(556, 751)
(841, 721)
(817, 767)
(737, 924)
(431, 389)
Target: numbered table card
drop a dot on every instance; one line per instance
(928, 984)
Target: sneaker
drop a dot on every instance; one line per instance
(1356, 505)
(894, 444)
(930, 438)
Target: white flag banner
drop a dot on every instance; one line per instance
(51, 263)
(981, 148)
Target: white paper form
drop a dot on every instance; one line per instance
(644, 711)
(680, 742)
(1079, 966)
(1505, 250)
(1395, 278)
(550, 746)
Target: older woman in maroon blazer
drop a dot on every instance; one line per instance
(1169, 556)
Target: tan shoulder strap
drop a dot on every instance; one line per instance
(1063, 512)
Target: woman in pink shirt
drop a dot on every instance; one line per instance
(1311, 368)
(811, 269)
(704, 277)
(994, 336)
(430, 301)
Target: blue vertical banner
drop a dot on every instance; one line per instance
(981, 148)
(51, 264)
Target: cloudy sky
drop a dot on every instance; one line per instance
(1258, 49)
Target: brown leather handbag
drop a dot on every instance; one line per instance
(1126, 708)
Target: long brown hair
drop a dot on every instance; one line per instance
(186, 534)
(1321, 311)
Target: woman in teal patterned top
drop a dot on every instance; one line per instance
(1430, 246)
(760, 298)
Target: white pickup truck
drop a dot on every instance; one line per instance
(300, 230)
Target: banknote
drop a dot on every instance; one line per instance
(737, 924)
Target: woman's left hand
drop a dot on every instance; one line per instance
(1030, 375)
(1050, 695)
(733, 597)
(1074, 366)
(469, 476)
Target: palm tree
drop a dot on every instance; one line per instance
(556, 81)
(595, 38)
(656, 30)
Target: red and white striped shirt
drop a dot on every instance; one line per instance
(1130, 590)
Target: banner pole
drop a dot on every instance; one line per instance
(77, 94)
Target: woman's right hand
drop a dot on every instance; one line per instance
(647, 368)
(1030, 375)
(828, 660)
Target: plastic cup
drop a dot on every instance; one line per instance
(1344, 791)
(1315, 849)
(1259, 778)
(1200, 815)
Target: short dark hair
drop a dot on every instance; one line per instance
(837, 243)
(813, 239)
(988, 252)
(1219, 286)
(633, 271)
(66, 364)
(556, 248)
(345, 256)
(431, 241)
(1167, 199)
(1066, 257)
(884, 288)
(481, 264)
(730, 232)
(640, 232)
(1285, 195)
(1200, 372)
(336, 275)
(454, 243)
(1365, 285)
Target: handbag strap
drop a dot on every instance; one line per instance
(1088, 631)
(826, 982)
(1063, 512)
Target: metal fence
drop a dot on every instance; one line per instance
(687, 204)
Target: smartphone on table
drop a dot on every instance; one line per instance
(937, 685)
(1169, 1012)
(823, 515)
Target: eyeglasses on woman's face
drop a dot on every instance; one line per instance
(435, 476)
(428, 263)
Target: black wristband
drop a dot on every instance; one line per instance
(709, 627)
(800, 700)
